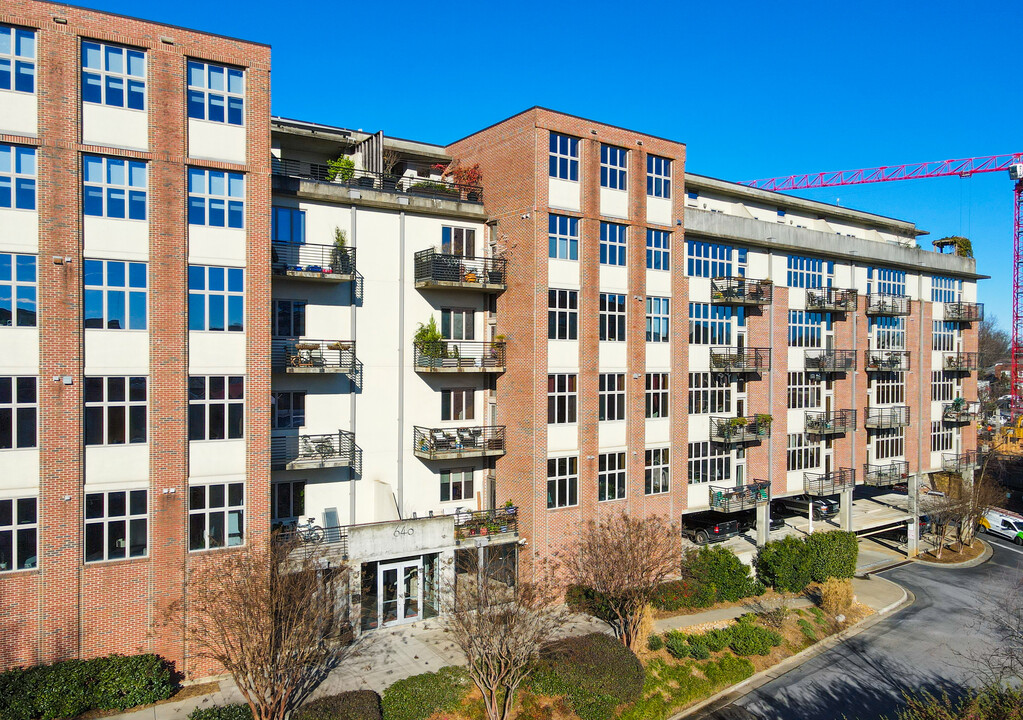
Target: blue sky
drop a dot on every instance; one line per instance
(756, 89)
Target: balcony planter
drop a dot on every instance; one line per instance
(763, 423)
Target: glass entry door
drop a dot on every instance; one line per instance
(400, 591)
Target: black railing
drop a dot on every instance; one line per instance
(301, 355)
(830, 361)
(299, 452)
(886, 360)
(829, 483)
(437, 269)
(327, 262)
(441, 443)
(891, 473)
(740, 360)
(959, 462)
(740, 429)
(734, 499)
(741, 291)
(959, 411)
(887, 304)
(960, 361)
(830, 300)
(964, 312)
(328, 541)
(459, 356)
(830, 423)
(367, 180)
(880, 418)
(478, 523)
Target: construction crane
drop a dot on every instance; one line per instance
(1011, 163)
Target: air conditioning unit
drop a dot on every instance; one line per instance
(1016, 171)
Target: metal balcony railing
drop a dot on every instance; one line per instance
(741, 291)
(886, 360)
(312, 262)
(960, 362)
(307, 452)
(964, 312)
(482, 523)
(434, 269)
(740, 360)
(302, 355)
(836, 422)
(891, 473)
(830, 361)
(829, 483)
(959, 411)
(734, 499)
(830, 300)
(332, 542)
(734, 430)
(880, 418)
(459, 356)
(458, 442)
(887, 304)
(960, 462)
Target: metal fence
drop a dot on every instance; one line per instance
(473, 523)
(887, 304)
(459, 355)
(333, 450)
(830, 361)
(434, 267)
(829, 483)
(964, 312)
(886, 417)
(740, 429)
(291, 258)
(831, 299)
(890, 473)
(740, 360)
(734, 499)
(741, 291)
(830, 423)
(303, 354)
(886, 360)
(434, 443)
(960, 361)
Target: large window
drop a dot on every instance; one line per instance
(113, 75)
(17, 59)
(17, 177)
(216, 198)
(943, 385)
(944, 289)
(457, 404)
(613, 164)
(612, 244)
(804, 391)
(19, 411)
(612, 317)
(287, 503)
(115, 295)
(709, 393)
(892, 282)
(216, 407)
(114, 188)
(287, 225)
(888, 333)
(611, 476)
(564, 157)
(19, 523)
(710, 324)
(945, 335)
(116, 410)
(17, 290)
(708, 463)
(611, 396)
(216, 93)
(802, 453)
(562, 482)
(656, 398)
(457, 324)
(562, 314)
(287, 410)
(806, 329)
(889, 443)
(941, 436)
(563, 237)
(216, 515)
(658, 319)
(658, 176)
(216, 298)
(562, 399)
(116, 525)
(658, 249)
(456, 484)
(458, 241)
(288, 319)
(807, 272)
(888, 387)
(710, 260)
(657, 472)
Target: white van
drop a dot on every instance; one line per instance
(1004, 524)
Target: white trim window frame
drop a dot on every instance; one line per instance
(611, 471)
(116, 295)
(562, 482)
(614, 163)
(116, 525)
(562, 398)
(657, 473)
(113, 75)
(611, 397)
(611, 317)
(216, 407)
(17, 59)
(613, 243)
(19, 412)
(114, 188)
(563, 157)
(658, 177)
(116, 410)
(216, 516)
(216, 93)
(19, 533)
(216, 198)
(17, 177)
(216, 298)
(457, 485)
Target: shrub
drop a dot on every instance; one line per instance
(240, 711)
(784, 565)
(717, 640)
(342, 167)
(719, 567)
(807, 629)
(750, 639)
(655, 642)
(353, 705)
(419, 696)
(699, 651)
(835, 595)
(677, 644)
(727, 670)
(774, 617)
(679, 594)
(832, 554)
(586, 600)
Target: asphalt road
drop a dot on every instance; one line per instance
(926, 646)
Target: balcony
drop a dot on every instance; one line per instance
(740, 360)
(313, 357)
(829, 483)
(436, 270)
(458, 356)
(830, 300)
(882, 418)
(960, 462)
(829, 361)
(964, 312)
(887, 304)
(741, 291)
(959, 411)
(498, 524)
(735, 430)
(735, 499)
(891, 473)
(311, 452)
(960, 362)
(455, 443)
(886, 360)
(836, 422)
(305, 261)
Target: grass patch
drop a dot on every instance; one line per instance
(669, 687)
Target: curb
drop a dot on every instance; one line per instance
(966, 564)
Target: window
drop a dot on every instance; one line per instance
(458, 241)
(806, 272)
(561, 399)
(942, 385)
(17, 177)
(888, 387)
(708, 463)
(113, 76)
(113, 188)
(287, 410)
(656, 399)
(802, 454)
(288, 319)
(216, 298)
(945, 335)
(216, 198)
(563, 237)
(562, 482)
(806, 329)
(804, 391)
(287, 503)
(710, 260)
(658, 316)
(611, 476)
(613, 164)
(116, 525)
(216, 93)
(941, 436)
(17, 59)
(19, 410)
(216, 515)
(216, 406)
(115, 410)
(892, 282)
(944, 289)
(658, 176)
(457, 324)
(709, 393)
(115, 295)
(658, 249)
(658, 471)
(562, 314)
(457, 404)
(456, 485)
(888, 333)
(18, 534)
(611, 396)
(17, 290)
(287, 225)
(710, 324)
(889, 443)
(564, 157)
(612, 317)
(612, 244)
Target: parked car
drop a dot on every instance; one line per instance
(823, 507)
(900, 534)
(1004, 524)
(748, 520)
(703, 528)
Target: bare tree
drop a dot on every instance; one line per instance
(390, 159)
(946, 512)
(500, 627)
(976, 498)
(274, 619)
(624, 560)
(992, 342)
(1002, 661)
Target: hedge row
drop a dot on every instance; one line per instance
(352, 705)
(419, 696)
(790, 564)
(715, 575)
(743, 638)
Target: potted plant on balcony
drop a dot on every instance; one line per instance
(430, 342)
(763, 422)
(340, 256)
(340, 168)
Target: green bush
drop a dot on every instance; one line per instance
(581, 599)
(241, 711)
(342, 167)
(353, 705)
(677, 644)
(832, 554)
(750, 639)
(807, 629)
(679, 594)
(784, 565)
(419, 696)
(721, 568)
(699, 651)
(717, 640)
(654, 642)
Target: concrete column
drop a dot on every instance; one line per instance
(763, 523)
(845, 507)
(912, 532)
